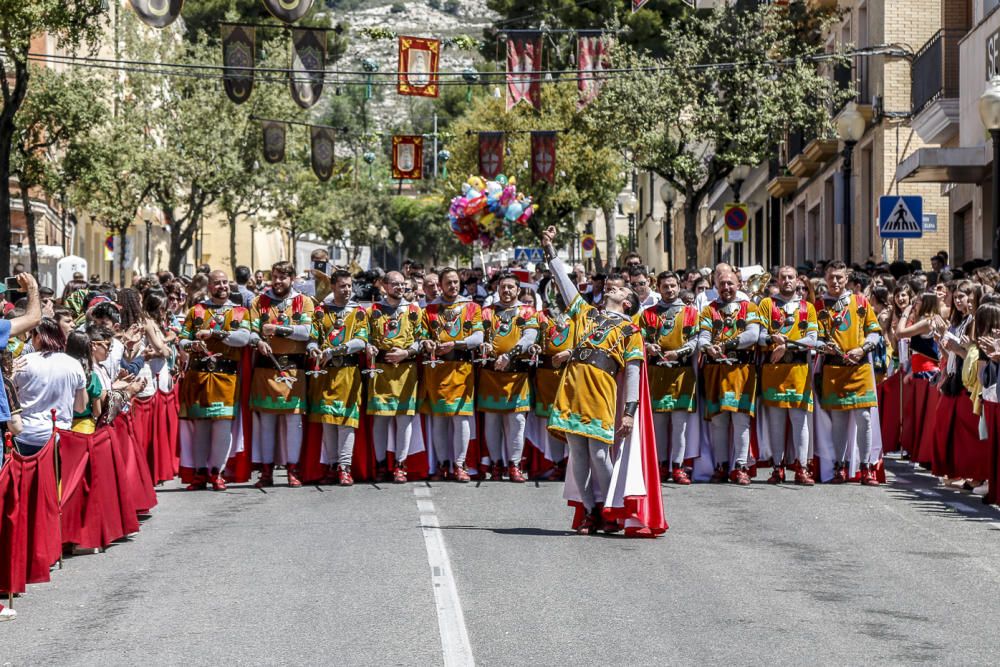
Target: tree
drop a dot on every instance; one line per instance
(72, 24)
(59, 107)
(587, 173)
(691, 120)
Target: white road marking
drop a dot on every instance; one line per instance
(451, 622)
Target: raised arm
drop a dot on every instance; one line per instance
(560, 273)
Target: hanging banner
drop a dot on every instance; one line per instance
(543, 157)
(274, 140)
(407, 157)
(491, 145)
(238, 45)
(638, 4)
(524, 64)
(321, 142)
(157, 13)
(308, 62)
(418, 66)
(591, 60)
(288, 11)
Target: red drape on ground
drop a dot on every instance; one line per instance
(141, 415)
(29, 519)
(139, 481)
(992, 414)
(124, 484)
(957, 434)
(889, 396)
(91, 514)
(166, 461)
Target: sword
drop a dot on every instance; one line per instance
(371, 371)
(433, 361)
(283, 374)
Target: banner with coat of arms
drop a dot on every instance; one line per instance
(524, 64)
(238, 45)
(543, 156)
(308, 62)
(418, 66)
(321, 142)
(591, 60)
(407, 157)
(157, 13)
(288, 11)
(491, 147)
(274, 140)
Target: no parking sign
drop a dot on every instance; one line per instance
(735, 216)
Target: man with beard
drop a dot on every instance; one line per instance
(282, 320)
(340, 334)
(788, 333)
(213, 335)
(504, 395)
(727, 336)
(454, 326)
(394, 342)
(849, 331)
(670, 331)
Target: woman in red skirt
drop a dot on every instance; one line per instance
(920, 324)
(988, 342)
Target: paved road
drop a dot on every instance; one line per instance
(904, 574)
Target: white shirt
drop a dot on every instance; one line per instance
(46, 383)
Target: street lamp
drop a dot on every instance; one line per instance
(629, 206)
(735, 179)
(383, 234)
(668, 194)
(989, 112)
(850, 128)
(399, 248)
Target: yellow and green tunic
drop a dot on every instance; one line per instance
(509, 390)
(271, 389)
(586, 402)
(786, 384)
(335, 396)
(729, 387)
(394, 390)
(671, 326)
(557, 332)
(210, 388)
(450, 386)
(846, 323)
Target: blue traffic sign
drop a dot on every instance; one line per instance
(533, 255)
(900, 217)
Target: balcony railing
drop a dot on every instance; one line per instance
(935, 69)
(853, 76)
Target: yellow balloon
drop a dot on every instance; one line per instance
(477, 183)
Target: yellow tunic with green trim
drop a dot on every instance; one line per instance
(510, 390)
(450, 386)
(671, 388)
(847, 387)
(586, 402)
(557, 332)
(729, 387)
(205, 394)
(394, 390)
(272, 390)
(335, 397)
(786, 385)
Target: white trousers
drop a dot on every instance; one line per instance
(591, 466)
(777, 426)
(671, 436)
(721, 438)
(291, 428)
(451, 438)
(839, 421)
(211, 442)
(509, 428)
(338, 442)
(403, 432)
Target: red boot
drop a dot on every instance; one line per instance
(680, 477)
(344, 476)
(266, 476)
(382, 471)
(399, 476)
(461, 475)
(293, 476)
(802, 476)
(739, 476)
(777, 475)
(514, 474)
(215, 479)
(441, 474)
(868, 477)
(496, 472)
(199, 482)
(839, 474)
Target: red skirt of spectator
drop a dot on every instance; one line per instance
(166, 461)
(957, 436)
(920, 403)
(992, 413)
(890, 394)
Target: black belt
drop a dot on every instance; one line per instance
(796, 357)
(456, 355)
(597, 358)
(209, 365)
(343, 361)
(515, 366)
(285, 361)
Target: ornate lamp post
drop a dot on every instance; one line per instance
(629, 206)
(850, 129)
(989, 112)
(668, 194)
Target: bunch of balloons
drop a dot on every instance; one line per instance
(487, 211)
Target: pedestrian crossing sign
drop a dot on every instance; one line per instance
(901, 217)
(533, 255)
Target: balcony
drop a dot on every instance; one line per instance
(934, 87)
(780, 187)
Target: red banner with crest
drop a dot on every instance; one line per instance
(524, 64)
(418, 66)
(543, 157)
(591, 60)
(491, 147)
(407, 157)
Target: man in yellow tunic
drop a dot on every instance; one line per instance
(670, 331)
(728, 338)
(586, 403)
(214, 334)
(849, 331)
(393, 344)
(281, 318)
(504, 395)
(788, 333)
(339, 336)
(454, 326)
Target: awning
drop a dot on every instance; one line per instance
(946, 165)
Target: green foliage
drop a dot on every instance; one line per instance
(426, 231)
(397, 8)
(453, 7)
